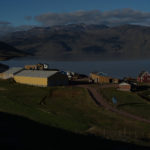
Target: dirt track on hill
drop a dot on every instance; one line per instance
(97, 97)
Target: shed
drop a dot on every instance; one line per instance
(99, 78)
(124, 86)
(11, 72)
(115, 80)
(41, 78)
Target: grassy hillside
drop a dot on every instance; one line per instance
(71, 109)
(128, 101)
(145, 94)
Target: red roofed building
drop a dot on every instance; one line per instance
(144, 76)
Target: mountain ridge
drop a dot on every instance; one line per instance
(83, 42)
(7, 51)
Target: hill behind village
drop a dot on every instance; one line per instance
(8, 52)
(83, 42)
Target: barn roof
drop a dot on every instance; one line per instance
(13, 70)
(36, 73)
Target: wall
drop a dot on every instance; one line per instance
(124, 87)
(6, 76)
(99, 79)
(58, 79)
(31, 80)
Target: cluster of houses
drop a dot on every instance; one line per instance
(36, 76)
(102, 78)
(41, 75)
(124, 85)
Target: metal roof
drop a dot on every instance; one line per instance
(102, 74)
(124, 83)
(13, 70)
(36, 73)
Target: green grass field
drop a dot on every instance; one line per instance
(128, 101)
(72, 109)
(145, 94)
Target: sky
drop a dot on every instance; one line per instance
(24, 13)
(15, 11)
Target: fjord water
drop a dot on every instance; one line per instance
(118, 69)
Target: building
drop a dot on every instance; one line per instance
(10, 72)
(124, 87)
(144, 76)
(100, 78)
(36, 67)
(41, 78)
(115, 80)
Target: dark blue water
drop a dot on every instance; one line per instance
(112, 68)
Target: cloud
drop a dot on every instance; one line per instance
(111, 18)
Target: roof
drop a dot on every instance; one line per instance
(13, 70)
(142, 73)
(101, 74)
(124, 83)
(36, 73)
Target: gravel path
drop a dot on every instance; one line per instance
(97, 97)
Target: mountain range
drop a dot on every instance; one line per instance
(8, 52)
(83, 42)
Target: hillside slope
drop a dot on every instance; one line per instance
(68, 109)
(84, 42)
(3, 67)
(7, 51)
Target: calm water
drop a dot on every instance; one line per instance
(112, 68)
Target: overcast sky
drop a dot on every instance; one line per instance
(23, 13)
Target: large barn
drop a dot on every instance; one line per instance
(41, 78)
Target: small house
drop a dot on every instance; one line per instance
(124, 87)
(144, 76)
(99, 78)
(115, 80)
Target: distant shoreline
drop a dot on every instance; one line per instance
(118, 69)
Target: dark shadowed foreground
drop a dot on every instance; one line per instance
(20, 133)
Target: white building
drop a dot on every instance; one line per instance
(10, 72)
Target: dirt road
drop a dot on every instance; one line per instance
(97, 97)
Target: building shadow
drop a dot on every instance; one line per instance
(78, 82)
(22, 134)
